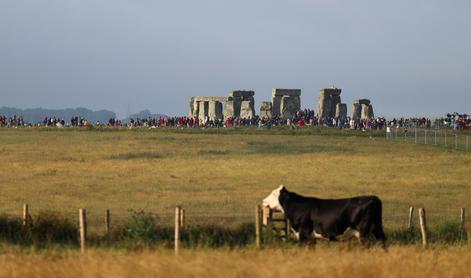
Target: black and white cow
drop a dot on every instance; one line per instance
(331, 219)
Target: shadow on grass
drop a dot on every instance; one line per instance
(135, 155)
(292, 148)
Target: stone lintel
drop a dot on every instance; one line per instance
(286, 92)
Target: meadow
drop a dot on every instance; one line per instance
(219, 176)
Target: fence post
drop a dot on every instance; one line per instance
(25, 219)
(435, 143)
(456, 141)
(83, 229)
(257, 226)
(182, 218)
(265, 215)
(425, 137)
(411, 213)
(466, 143)
(445, 138)
(177, 229)
(287, 232)
(423, 227)
(107, 222)
(415, 132)
(463, 219)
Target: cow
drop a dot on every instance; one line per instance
(331, 219)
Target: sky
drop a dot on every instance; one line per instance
(408, 57)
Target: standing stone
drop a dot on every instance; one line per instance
(364, 112)
(265, 110)
(356, 112)
(191, 107)
(196, 108)
(327, 102)
(276, 103)
(371, 114)
(229, 109)
(341, 111)
(247, 110)
(203, 111)
(323, 104)
(288, 107)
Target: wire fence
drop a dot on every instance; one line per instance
(444, 138)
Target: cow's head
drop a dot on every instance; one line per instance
(273, 200)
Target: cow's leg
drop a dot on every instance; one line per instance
(363, 233)
(364, 240)
(305, 236)
(379, 235)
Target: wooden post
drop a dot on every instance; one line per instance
(445, 139)
(411, 214)
(456, 141)
(25, 218)
(463, 219)
(257, 226)
(415, 134)
(83, 229)
(182, 218)
(266, 215)
(423, 227)
(425, 137)
(107, 222)
(435, 143)
(177, 229)
(467, 143)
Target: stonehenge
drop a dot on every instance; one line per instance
(285, 102)
(237, 104)
(329, 104)
(362, 109)
(284, 105)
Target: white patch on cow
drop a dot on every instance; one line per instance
(272, 201)
(318, 236)
(349, 234)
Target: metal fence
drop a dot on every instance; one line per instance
(437, 137)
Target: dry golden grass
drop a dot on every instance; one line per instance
(219, 178)
(297, 262)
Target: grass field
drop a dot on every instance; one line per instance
(321, 262)
(219, 176)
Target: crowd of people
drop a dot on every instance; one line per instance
(304, 117)
(11, 121)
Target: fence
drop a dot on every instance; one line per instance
(267, 222)
(437, 137)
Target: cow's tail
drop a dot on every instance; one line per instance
(377, 220)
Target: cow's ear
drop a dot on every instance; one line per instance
(284, 189)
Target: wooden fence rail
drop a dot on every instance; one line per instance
(264, 217)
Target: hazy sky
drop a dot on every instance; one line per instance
(408, 56)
